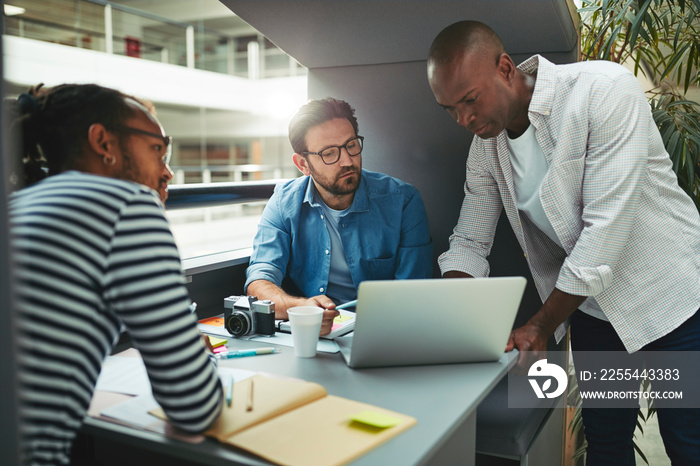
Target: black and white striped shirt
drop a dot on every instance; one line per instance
(95, 256)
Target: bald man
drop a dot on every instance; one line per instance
(572, 153)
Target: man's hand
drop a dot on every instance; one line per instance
(531, 338)
(531, 342)
(283, 301)
(328, 315)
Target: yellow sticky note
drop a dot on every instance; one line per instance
(217, 341)
(375, 419)
(342, 318)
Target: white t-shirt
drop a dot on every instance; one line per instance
(340, 285)
(529, 169)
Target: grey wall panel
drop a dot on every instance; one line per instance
(323, 33)
(407, 135)
(410, 137)
(372, 54)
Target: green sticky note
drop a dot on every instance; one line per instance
(342, 318)
(215, 342)
(375, 419)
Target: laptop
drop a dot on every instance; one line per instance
(432, 321)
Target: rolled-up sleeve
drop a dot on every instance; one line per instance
(615, 161)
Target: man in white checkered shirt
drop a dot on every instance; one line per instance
(572, 153)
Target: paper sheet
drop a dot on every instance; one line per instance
(285, 339)
(215, 326)
(134, 411)
(124, 375)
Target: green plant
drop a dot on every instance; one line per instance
(661, 40)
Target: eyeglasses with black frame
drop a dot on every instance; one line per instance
(331, 155)
(167, 141)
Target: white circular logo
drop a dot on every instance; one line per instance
(542, 369)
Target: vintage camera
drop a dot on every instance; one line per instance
(246, 315)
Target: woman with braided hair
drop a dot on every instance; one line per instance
(94, 257)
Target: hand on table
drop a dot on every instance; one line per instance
(531, 342)
(329, 314)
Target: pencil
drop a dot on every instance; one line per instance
(249, 407)
(229, 390)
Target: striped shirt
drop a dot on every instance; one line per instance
(94, 257)
(629, 235)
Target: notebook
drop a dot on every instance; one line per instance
(297, 423)
(432, 321)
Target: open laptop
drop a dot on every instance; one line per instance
(432, 321)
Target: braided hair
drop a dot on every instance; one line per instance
(53, 124)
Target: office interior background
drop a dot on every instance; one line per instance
(225, 93)
(222, 91)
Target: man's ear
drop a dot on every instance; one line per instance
(301, 163)
(506, 67)
(100, 140)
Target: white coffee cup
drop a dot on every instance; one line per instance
(306, 326)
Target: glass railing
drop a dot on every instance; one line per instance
(208, 219)
(121, 30)
(215, 201)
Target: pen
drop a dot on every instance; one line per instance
(247, 352)
(249, 406)
(347, 305)
(229, 390)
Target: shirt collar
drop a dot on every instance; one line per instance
(543, 95)
(360, 202)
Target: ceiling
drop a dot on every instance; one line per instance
(322, 33)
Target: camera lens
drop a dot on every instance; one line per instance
(238, 324)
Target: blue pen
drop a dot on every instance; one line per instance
(347, 305)
(248, 352)
(229, 390)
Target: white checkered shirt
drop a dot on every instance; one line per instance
(631, 236)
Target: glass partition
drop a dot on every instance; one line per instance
(241, 140)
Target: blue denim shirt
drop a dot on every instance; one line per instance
(384, 232)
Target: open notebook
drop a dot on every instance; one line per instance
(294, 422)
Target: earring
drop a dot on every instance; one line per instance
(109, 161)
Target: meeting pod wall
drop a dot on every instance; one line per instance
(373, 55)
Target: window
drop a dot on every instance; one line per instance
(223, 91)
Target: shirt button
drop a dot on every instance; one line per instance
(321, 216)
(321, 289)
(327, 251)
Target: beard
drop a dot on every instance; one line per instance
(338, 186)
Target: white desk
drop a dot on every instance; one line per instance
(443, 398)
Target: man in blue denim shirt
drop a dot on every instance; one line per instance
(338, 225)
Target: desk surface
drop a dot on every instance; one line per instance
(440, 397)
